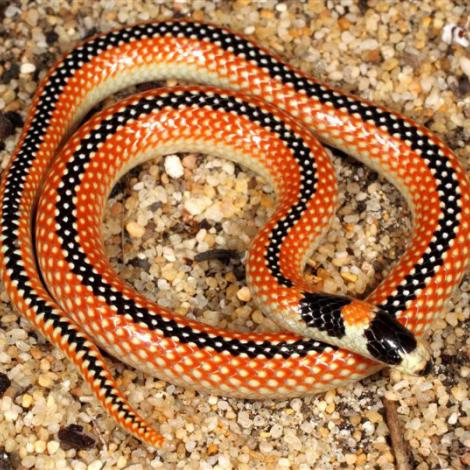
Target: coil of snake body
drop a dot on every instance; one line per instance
(260, 114)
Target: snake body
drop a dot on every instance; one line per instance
(52, 256)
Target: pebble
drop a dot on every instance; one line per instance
(465, 65)
(374, 416)
(459, 393)
(197, 205)
(39, 446)
(74, 436)
(53, 447)
(276, 431)
(349, 277)
(173, 166)
(26, 400)
(45, 380)
(265, 447)
(27, 68)
(51, 37)
(96, 465)
(351, 459)
(11, 73)
(4, 383)
(32, 17)
(244, 419)
(15, 118)
(190, 162)
(453, 418)
(244, 294)
(368, 427)
(373, 56)
(135, 230)
(453, 34)
(212, 400)
(11, 10)
(5, 461)
(6, 126)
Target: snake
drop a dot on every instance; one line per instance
(245, 104)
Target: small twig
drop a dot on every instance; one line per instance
(399, 445)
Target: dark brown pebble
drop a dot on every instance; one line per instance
(457, 359)
(11, 74)
(74, 437)
(252, 183)
(239, 272)
(205, 224)
(155, 206)
(3, 7)
(411, 59)
(51, 37)
(363, 6)
(5, 460)
(140, 263)
(5, 382)
(220, 254)
(463, 85)
(6, 127)
(15, 118)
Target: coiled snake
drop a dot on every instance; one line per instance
(52, 257)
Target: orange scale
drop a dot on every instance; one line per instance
(357, 314)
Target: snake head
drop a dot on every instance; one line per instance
(390, 342)
(365, 329)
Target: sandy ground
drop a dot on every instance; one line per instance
(389, 52)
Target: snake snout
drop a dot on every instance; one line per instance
(416, 362)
